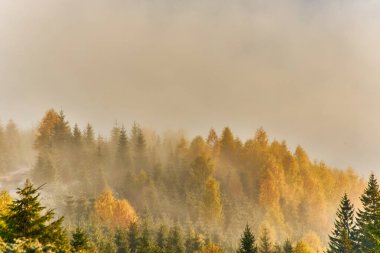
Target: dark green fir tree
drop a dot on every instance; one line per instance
(288, 248)
(80, 240)
(247, 242)
(368, 218)
(27, 218)
(342, 238)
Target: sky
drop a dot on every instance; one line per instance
(307, 71)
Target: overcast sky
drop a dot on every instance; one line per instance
(305, 70)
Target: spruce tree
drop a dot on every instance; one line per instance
(277, 249)
(288, 248)
(265, 244)
(247, 242)
(121, 241)
(145, 242)
(342, 238)
(175, 241)
(133, 238)
(161, 239)
(26, 218)
(368, 219)
(79, 240)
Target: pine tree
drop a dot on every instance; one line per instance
(227, 145)
(26, 219)
(122, 150)
(175, 241)
(145, 243)
(194, 242)
(62, 132)
(121, 241)
(161, 239)
(89, 135)
(288, 248)
(247, 242)
(79, 240)
(139, 148)
(133, 238)
(277, 249)
(368, 219)
(342, 238)
(77, 135)
(265, 244)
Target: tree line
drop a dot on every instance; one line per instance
(213, 185)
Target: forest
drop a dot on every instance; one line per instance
(138, 191)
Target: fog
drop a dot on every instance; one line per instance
(306, 71)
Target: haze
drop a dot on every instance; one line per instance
(306, 71)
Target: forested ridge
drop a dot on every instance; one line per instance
(137, 191)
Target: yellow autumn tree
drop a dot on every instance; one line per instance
(212, 248)
(115, 213)
(302, 247)
(5, 201)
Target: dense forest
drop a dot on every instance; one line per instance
(138, 191)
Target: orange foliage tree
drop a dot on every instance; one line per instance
(115, 213)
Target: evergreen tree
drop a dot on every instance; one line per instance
(368, 219)
(161, 239)
(342, 238)
(277, 249)
(139, 148)
(89, 135)
(79, 240)
(175, 241)
(62, 132)
(247, 242)
(122, 150)
(145, 245)
(77, 135)
(26, 219)
(194, 242)
(121, 241)
(288, 248)
(227, 145)
(265, 244)
(133, 237)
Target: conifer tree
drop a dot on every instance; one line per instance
(227, 145)
(265, 244)
(139, 148)
(80, 240)
(175, 241)
(247, 242)
(122, 150)
(288, 248)
(121, 241)
(89, 135)
(368, 219)
(77, 135)
(342, 238)
(277, 249)
(194, 242)
(161, 239)
(145, 243)
(26, 219)
(133, 237)
(62, 132)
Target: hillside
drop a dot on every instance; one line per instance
(216, 183)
